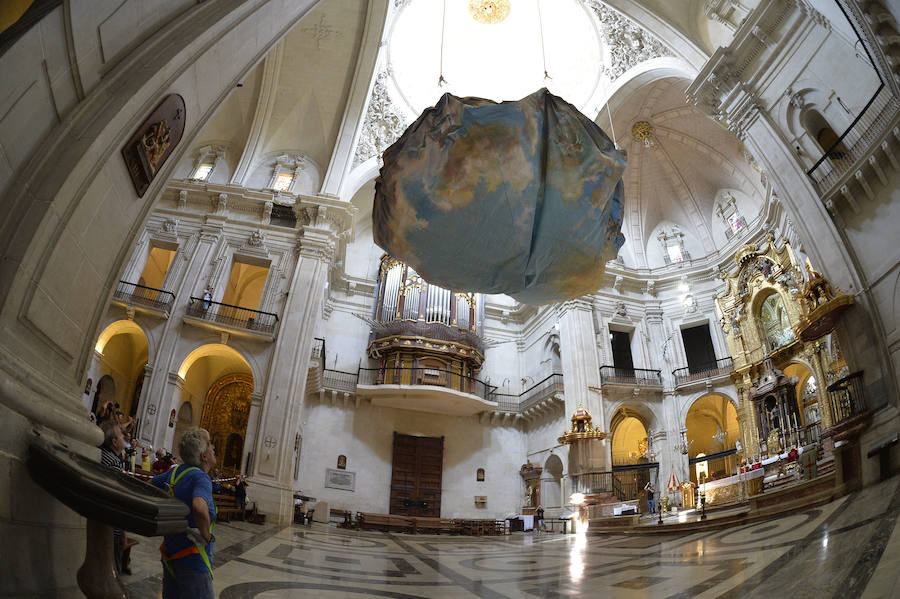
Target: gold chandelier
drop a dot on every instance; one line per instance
(489, 12)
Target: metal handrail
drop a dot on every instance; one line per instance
(135, 293)
(339, 380)
(600, 481)
(510, 402)
(630, 376)
(847, 397)
(702, 371)
(395, 375)
(236, 316)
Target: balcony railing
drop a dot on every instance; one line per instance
(338, 380)
(864, 134)
(538, 392)
(132, 293)
(630, 376)
(426, 376)
(234, 316)
(847, 397)
(699, 372)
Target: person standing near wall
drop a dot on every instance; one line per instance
(650, 493)
(188, 557)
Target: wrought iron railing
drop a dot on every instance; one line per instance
(630, 376)
(630, 480)
(339, 380)
(698, 372)
(133, 293)
(847, 397)
(235, 316)
(509, 402)
(390, 375)
(861, 137)
(593, 482)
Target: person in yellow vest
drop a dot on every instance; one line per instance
(188, 557)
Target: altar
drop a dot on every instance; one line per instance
(734, 488)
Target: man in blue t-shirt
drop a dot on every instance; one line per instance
(187, 557)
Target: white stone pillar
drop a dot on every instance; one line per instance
(581, 367)
(279, 419)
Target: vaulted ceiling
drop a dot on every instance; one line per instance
(300, 100)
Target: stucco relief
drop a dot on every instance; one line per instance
(383, 123)
(629, 43)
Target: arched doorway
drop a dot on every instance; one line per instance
(226, 412)
(120, 355)
(629, 437)
(551, 482)
(712, 430)
(217, 386)
(632, 467)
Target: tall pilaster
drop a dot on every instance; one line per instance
(581, 366)
(283, 398)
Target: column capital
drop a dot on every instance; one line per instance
(574, 304)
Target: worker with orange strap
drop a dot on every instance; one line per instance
(188, 557)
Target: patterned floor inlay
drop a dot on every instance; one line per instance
(848, 548)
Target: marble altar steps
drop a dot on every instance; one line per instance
(768, 505)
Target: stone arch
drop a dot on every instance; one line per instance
(122, 352)
(233, 350)
(629, 428)
(709, 414)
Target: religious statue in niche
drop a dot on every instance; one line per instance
(479, 475)
(88, 385)
(342, 462)
(172, 419)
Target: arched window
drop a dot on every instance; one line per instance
(479, 475)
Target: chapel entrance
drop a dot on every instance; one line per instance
(416, 476)
(226, 413)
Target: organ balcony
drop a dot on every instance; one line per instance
(428, 346)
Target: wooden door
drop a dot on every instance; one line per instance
(416, 476)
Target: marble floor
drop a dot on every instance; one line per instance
(847, 548)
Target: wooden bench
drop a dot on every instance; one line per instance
(437, 526)
(383, 522)
(345, 515)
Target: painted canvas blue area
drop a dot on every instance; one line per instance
(522, 198)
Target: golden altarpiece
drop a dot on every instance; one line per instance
(226, 413)
(778, 315)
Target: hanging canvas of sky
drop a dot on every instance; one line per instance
(522, 198)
